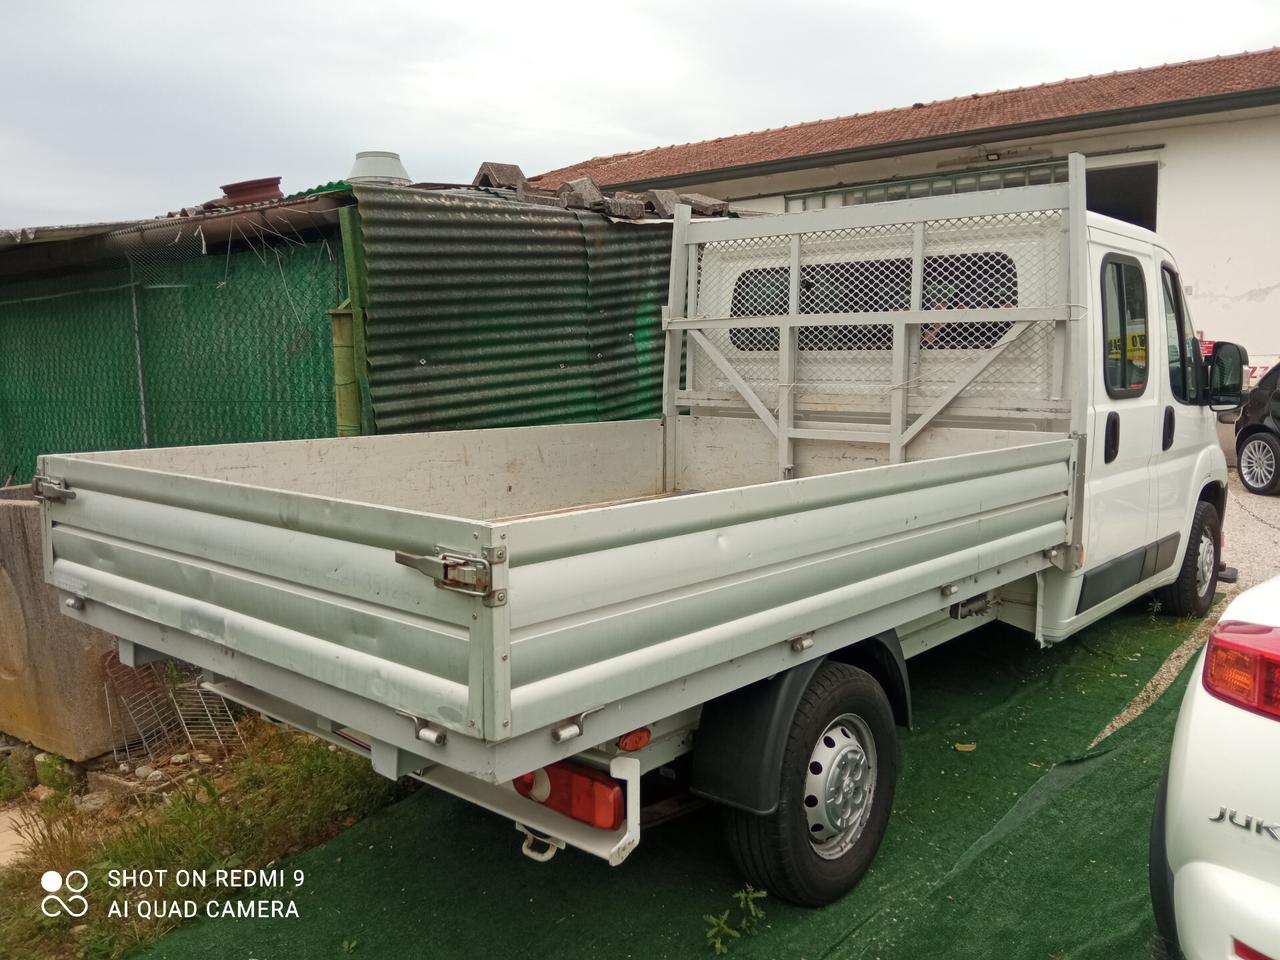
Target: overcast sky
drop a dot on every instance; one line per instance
(137, 107)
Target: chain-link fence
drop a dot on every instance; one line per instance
(171, 344)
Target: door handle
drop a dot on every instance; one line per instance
(1167, 439)
(1111, 441)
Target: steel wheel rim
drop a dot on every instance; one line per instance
(1204, 564)
(1258, 463)
(840, 785)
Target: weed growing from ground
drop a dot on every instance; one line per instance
(9, 786)
(55, 772)
(722, 931)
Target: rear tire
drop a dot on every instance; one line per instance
(1191, 595)
(1258, 462)
(839, 770)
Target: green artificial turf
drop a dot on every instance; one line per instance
(1030, 846)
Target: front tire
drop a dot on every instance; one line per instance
(1258, 461)
(1191, 595)
(839, 770)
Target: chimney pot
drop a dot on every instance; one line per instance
(251, 191)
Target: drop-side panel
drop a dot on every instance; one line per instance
(609, 603)
(305, 583)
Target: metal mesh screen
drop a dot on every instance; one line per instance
(232, 344)
(990, 262)
(996, 261)
(741, 278)
(854, 270)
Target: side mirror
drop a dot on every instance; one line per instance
(1226, 375)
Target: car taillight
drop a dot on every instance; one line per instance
(1246, 952)
(1243, 666)
(577, 791)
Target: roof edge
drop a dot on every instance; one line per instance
(1168, 110)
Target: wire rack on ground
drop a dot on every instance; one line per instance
(159, 709)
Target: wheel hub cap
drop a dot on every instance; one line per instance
(840, 785)
(1204, 564)
(1257, 463)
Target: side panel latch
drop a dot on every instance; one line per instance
(49, 488)
(461, 572)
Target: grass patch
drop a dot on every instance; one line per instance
(288, 792)
(55, 772)
(9, 786)
(17, 773)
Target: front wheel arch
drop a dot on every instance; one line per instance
(1214, 492)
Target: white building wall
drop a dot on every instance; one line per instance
(1218, 203)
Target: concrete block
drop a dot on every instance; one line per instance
(51, 667)
(582, 194)
(624, 205)
(661, 202)
(705, 206)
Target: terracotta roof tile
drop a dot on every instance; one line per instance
(1123, 90)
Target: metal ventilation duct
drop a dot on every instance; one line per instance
(378, 166)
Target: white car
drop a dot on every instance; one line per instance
(1215, 836)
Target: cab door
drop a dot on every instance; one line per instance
(1185, 426)
(1121, 514)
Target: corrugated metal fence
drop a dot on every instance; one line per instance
(481, 311)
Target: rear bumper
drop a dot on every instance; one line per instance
(1216, 904)
(543, 827)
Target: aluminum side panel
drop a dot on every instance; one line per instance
(304, 583)
(735, 572)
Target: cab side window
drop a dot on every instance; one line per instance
(1184, 363)
(1124, 325)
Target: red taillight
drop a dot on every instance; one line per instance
(580, 792)
(1246, 952)
(1243, 666)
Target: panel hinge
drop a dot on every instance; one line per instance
(461, 572)
(49, 488)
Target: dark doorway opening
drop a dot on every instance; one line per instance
(1126, 193)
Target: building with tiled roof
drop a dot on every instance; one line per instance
(1189, 149)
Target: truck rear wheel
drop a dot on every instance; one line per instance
(1191, 595)
(839, 770)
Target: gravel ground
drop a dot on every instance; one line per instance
(1252, 532)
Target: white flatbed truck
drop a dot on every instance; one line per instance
(882, 426)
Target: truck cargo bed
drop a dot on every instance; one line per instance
(367, 581)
